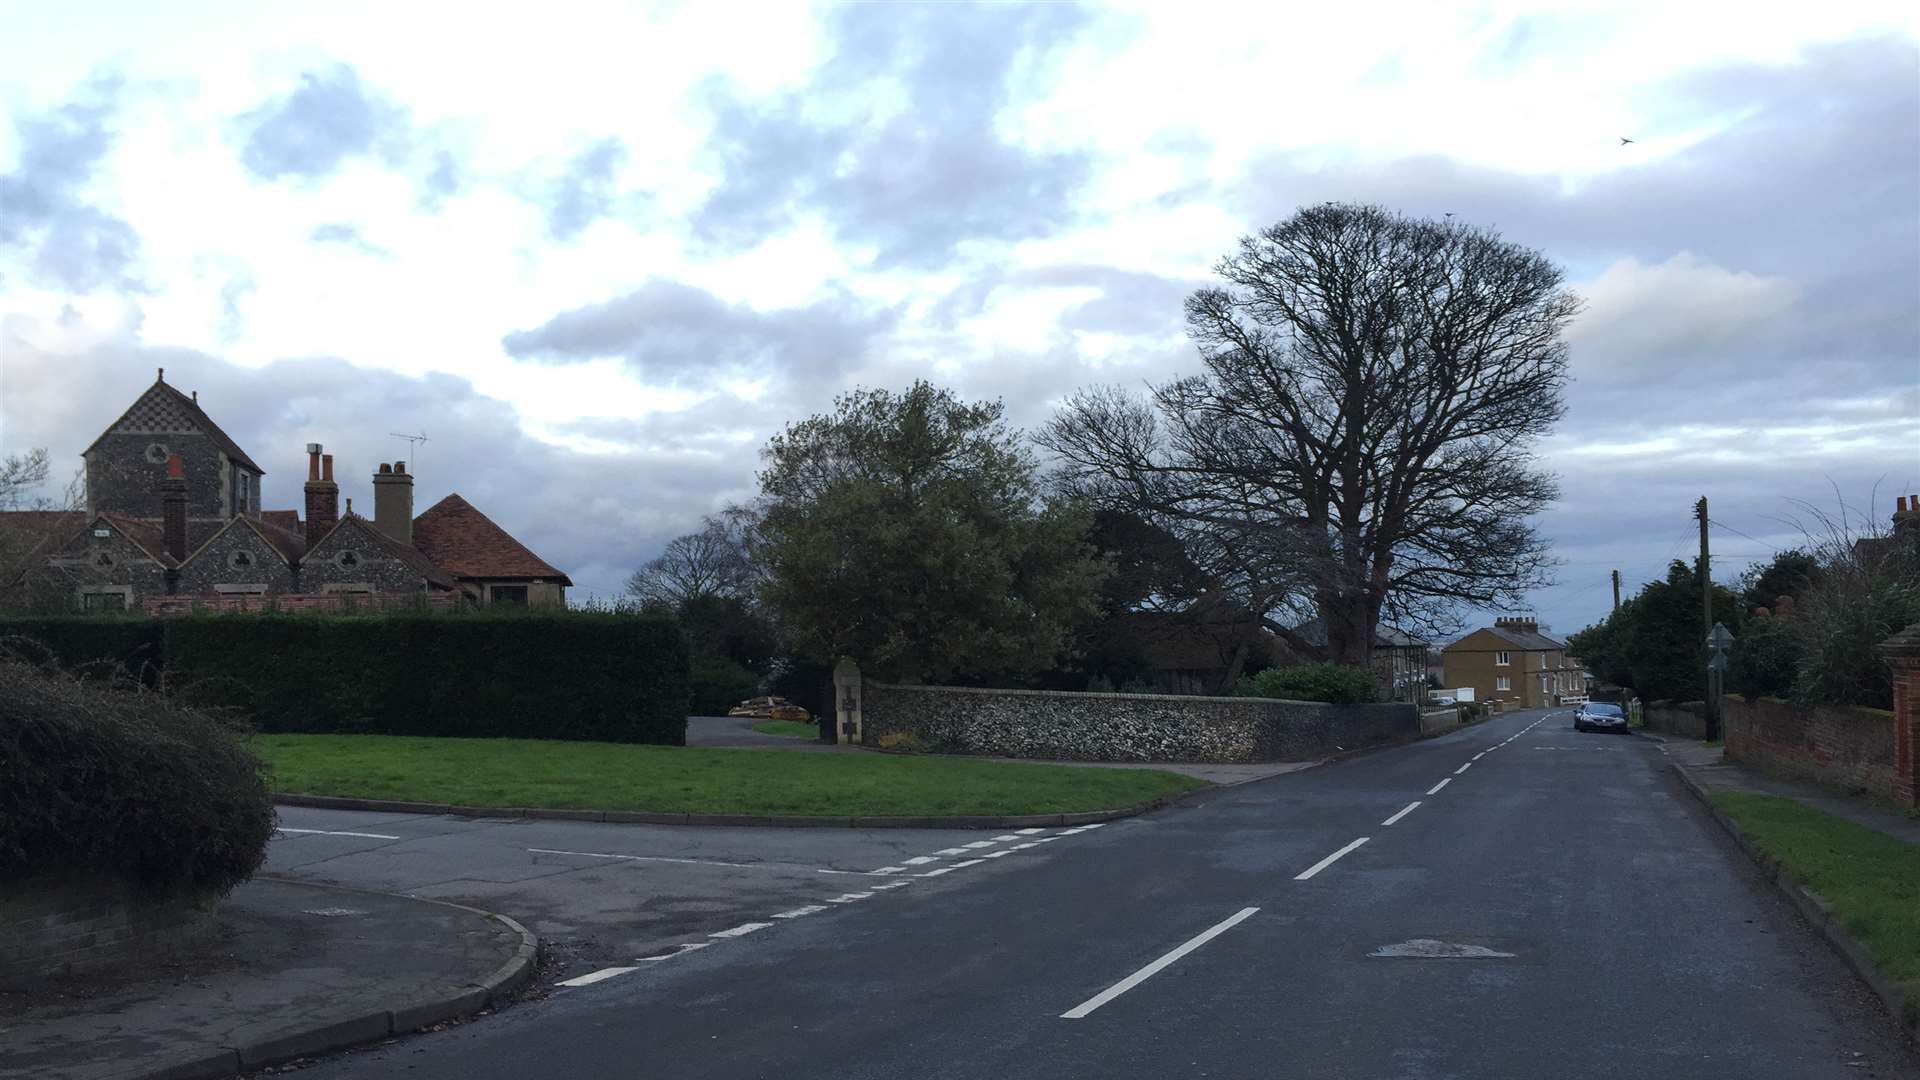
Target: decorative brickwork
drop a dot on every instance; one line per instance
(1846, 747)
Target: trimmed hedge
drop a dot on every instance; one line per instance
(126, 783)
(95, 646)
(1336, 684)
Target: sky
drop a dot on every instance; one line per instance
(598, 254)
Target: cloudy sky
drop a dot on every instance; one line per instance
(599, 253)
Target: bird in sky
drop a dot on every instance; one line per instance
(1624, 140)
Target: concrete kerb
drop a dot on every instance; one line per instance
(796, 821)
(502, 983)
(1813, 908)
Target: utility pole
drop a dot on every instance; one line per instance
(1712, 703)
(1616, 590)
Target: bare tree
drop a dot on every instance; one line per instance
(1361, 441)
(712, 562)
(21, 474)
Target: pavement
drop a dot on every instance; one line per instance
(300, 968)
(1716, 772)
(1509, 900)
(737, 731)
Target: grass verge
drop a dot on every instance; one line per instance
(1871, 879)
(615, 776)
(790, 728)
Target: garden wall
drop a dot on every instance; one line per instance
(1687, 719)
(1123, 727)
(1844, 746)
(64, 926)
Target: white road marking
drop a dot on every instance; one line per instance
(997, 854)
(1463, 768)
(1046, 840)
(977, 844)
(1408, 809)
(1098, 825)
(1086, 1007)
(1329, 860)
(969, 862)
(1479, 755)
(1435, 789)
(920, 860)
(951, 851)
(887, 870)
(742, 930)
(330, 832)
(1022, 847)
(662, 858)
(592, 977)
(936, 872)
(1029, 832)
(677, 950)
(810, 909)
(893, 885)
(848, 898)
(1004, 839)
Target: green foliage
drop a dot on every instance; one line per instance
(718, 684)
(95, 646)
(1340, 684)
(1766, 658)
(1790, 573)
(908, 531)
(1654, 642)
(1841, 621)
(107, 778)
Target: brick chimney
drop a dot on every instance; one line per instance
(323, 495)
(173, 509)
(1906, 516)
(393, 501)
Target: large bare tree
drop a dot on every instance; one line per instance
(1361, 441)
(710, 563)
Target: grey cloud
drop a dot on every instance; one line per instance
(309, 132)
(916, 185)
(584, 191)
(671, 332)
(67, 241)
(239, 286)
(347, 234)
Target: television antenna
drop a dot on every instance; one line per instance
(413, 446)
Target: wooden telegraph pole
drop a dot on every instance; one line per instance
(1712, 703)
(1616, 590)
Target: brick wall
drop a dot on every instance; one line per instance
(52, 927)
(1845, 747)
(177, 605)
(1684, 718)
(1124, 727)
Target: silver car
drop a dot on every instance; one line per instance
(1600, 716)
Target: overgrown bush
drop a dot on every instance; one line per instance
(718, 684)
(1839, 623)
(1339, 684)
(96, 646)
(112, 779)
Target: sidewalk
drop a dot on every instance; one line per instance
(302, 970)
(1708, 765)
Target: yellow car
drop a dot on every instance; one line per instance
(771, 708)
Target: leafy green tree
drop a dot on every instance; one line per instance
(908, 531)
(1654, 642)
(1790, 573)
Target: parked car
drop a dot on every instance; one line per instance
(771, 708)
(1600, 716)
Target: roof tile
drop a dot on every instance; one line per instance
(466, 543)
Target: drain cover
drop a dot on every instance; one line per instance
(1430, 949)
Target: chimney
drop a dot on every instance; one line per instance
(393, 502)
(173, 510)
(1906, 517)
(323, 495)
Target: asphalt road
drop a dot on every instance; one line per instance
(1591, 921)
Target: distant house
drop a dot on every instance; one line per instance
(1203, 650)
(1399, 659)
(1906, 531)
(174, 520)
(1513, 662)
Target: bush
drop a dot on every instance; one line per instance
(96, 646)
(719, 684)
(111, 779)
(1339, 684)
(606, 677)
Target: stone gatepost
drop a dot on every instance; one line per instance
(846, 701)
(1902, 651)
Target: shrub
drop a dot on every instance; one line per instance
(718, 684)
(97, 646)
(610, 677)
(1340, 684)
(108, 778)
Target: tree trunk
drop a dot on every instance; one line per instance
(1349, 623)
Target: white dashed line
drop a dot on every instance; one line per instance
(936, 872)
(951, 851)
(1435, 789)
(887, 870)
(998, 854)
(742, 930)
(1084, 1008)
(330, 832)
(977, 845)
(1408, 809)
(658, 858)
(1004, 839)
(1102, 825)
(1029, 832)
(1022, 847)
(969, 862)
(893, 885)
(848, 898)
(1329, 860)
(592, 977)
(920, 860)
(1463, 768)
(810, 909)
(1046, 840)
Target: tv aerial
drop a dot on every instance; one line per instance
(413, 446)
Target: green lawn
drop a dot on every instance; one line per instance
(792, 728)
(1871, 879)
(613, 776)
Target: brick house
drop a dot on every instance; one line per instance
(174, 520)
(1513, 662)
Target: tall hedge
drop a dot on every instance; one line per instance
(126, 783)
(567, 675)
(92, 645)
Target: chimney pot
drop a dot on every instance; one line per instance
(326, 467)
(400, 466)
(386, 468)
(323, 495)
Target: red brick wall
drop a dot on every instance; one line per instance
(175, 605)
(1845, 747)
(50, 928)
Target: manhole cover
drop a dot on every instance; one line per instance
(334, 912)
(1430, 949)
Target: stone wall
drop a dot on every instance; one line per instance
(124, 470)
(52, 927)
(1846, 747)
(1687, 719)
(1123, 727)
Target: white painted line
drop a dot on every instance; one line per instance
(1329, 860)
(1029, 832)
(1004, 839)
(936, 872)
(1095, 825)
(848, 898)
(887, 870)
(1022, 847)
(810, 909)
(977, 845)
(592, 977)
(1479, 755)
(951, 851)
(1463, 768)
(1435, 789)
(677, 950)
(919, 860)
(742, 930)
(654, 858)
(997, 854)
(1408, 809)
(893, 885)
(1086, 1007)
(1046, 840)
(330, 832)
(854, 873)
(969, 862)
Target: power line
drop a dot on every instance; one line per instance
(1737, 532)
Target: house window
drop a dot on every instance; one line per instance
(1502, 659)
(103, 601)
(510, 594)
(1502, 683)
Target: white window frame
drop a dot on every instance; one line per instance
(1502, 682)
(1503, 658)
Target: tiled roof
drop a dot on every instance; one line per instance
(289, 542)
(421, 565)
(282, 519)
(162, 408)
(466, 543)
(1314, 631)
(144, 534)
(1531, 640)
(25, 534)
